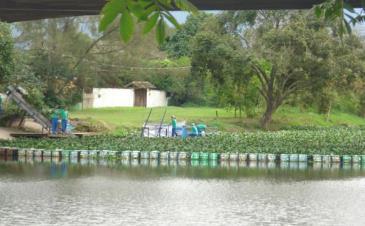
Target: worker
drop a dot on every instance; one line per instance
(174, 126)
(64, 119)
(194, 130)
(54, 120)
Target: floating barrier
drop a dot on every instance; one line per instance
(47, 154)
(252, 157)
(242, 157)
(174, 155)
(284, 157)
(262, 157)
(294, 158)
(363, 159)
(204, 156)
(356, 159)
(271, 157)
(65, 154)
(346, 158)
(74, 154)
(22, 152)
(164, 155)
(114, 154)
(224, 156)
(317, 158)
(135, 154)
(302, 158)
(84, 154)
(233, 156)
(145, 155)
(184, 155)
(328, 158)
(38, 153)
(94, 154)
(195, 156)
(213, 156)
(335, 158)
(155, 155)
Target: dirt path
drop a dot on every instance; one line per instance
(5, 133)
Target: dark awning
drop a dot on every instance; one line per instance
(20, 10)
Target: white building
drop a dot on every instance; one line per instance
(135, 94)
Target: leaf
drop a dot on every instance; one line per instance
(160, 31)
(148, 12)
(318, 11)
(172, 19)
(110, 11)
(126, 26)
(151, 22)
(186, 5)
(136, 8)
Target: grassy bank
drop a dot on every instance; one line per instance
(320, 141)
(118, 119)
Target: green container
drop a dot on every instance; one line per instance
(195, 162)
(284, 157)
(363, 159)
(224, 156)
(242, 157)
(165, 155)
(303, 158)
(204, 156)
(271, 157)
(294, 158)
(317, 158)
(155, 155)
(346, 158)
(194, 156)
(233, 156)
(252, 157)
(262, 157)
(335, 158)
(213, 156)
(145, 155)
(356, 159)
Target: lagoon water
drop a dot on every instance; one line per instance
(35, 192)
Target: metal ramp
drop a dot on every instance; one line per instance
(16, 94)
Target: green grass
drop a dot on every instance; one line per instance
(118, 119)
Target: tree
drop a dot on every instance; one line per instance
(6, 52)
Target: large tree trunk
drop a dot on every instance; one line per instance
(267, 117)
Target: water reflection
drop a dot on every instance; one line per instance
(69, 168)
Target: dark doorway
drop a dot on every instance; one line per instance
(140, 97)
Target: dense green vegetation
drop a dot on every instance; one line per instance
(305, 141)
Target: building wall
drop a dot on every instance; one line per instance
(112, 98)
(156, 98)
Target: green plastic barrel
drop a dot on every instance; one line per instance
(271, 157)
(317, 158)
(242, 157)
(194, 162)
(303, 158)
(204, 156)
(252, 157)
(195, 156)
(262, 157)
(346, 158)
(356, 158)
(363, 159)
(284, 157)
(213, 156)
(145, 154)
(294, 158)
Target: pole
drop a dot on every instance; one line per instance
(163, 118)
(145, 123)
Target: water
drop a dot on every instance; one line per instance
(151, 193)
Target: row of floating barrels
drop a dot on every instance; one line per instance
(167, 155)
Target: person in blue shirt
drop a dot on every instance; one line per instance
(194, 130)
